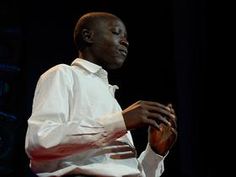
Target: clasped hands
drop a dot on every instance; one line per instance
(161, 120)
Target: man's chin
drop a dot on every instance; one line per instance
(116, 65)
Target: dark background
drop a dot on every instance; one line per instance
(167, 62)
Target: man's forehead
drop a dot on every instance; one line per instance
(113, 22)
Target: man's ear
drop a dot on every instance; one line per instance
(87, 35)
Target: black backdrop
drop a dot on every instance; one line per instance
(167, 62)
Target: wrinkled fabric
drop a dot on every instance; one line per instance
(76, 127)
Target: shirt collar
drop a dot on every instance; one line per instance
(92, 68)
(89, 66)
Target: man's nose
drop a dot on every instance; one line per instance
(124, 42)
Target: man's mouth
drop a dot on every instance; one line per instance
(124, 52)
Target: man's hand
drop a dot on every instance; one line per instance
(161, 120)
(161, 140)
(143, 113)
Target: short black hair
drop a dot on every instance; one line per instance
(88, 21)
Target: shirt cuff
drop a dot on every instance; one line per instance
(152, 156)
(153, 163)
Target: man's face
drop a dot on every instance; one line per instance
(110, 45)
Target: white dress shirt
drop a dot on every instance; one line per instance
(76, 127)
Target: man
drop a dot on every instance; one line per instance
(77, 127)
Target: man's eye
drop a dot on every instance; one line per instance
(115, 32)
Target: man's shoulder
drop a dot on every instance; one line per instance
(58, 70)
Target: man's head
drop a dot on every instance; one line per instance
(102, 39)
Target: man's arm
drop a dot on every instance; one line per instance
(162, 132)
